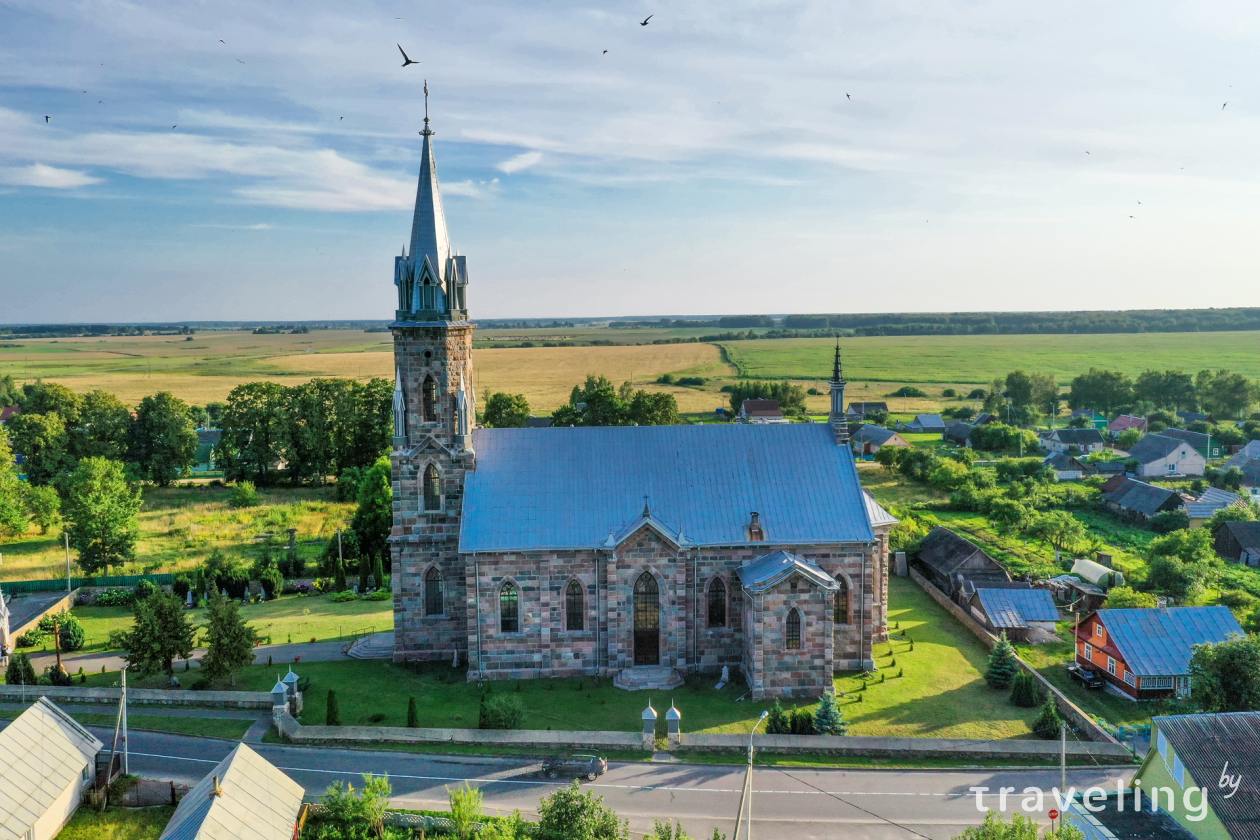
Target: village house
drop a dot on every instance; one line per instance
(1074, 441)
(1161, 456)
(1209, 502)
(1094, 419)
(959, 434)
(1204, 444)
(1238, 542)
(857, 411)
(1145, 653)
(1125, 422)
(1137, 499)
(245, 797)
(636, 553)
(869, 439)
(761, 411)
(1217, 754)
(1066, 468)
(926, 424)
(1189, 417)
(948, 560)
(47, 762)
(1024, 614)
(1247, 460)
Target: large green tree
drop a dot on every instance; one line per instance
(1101, 390)
(161, 633)
(164, 439)
(43, 440)
(103, 429)
(1226, 676)
(51, 398)
(12, 491)
(100, 510)
(1224, 393)
(506, 411)
(229, 640)
(1182, 564)
(1169, 389)
(1058, 529)
(597, 403)
(255, 435)
(374, 516)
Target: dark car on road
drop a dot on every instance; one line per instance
(1085, 677)
(578, 765)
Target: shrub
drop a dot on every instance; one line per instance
(1169, 521)
(29, 639)
(802, 723)
(144, 589)
(379, 595)
(347, 487)
(181, 586)
(501, 711)
(908, 391)
(570, 814)
(1002, 666)
(949, 392)
(413, 715)
(1025, 692)
(58, 676)
(272, 582)
(72, 636)
(778, 722)
(465, 804)
(949, 475)
(343, 597)
(1126, 597)
(115, 598)
(691, 381)
(244, 495)
(1048, 723)
(332, 715)
(20, 671)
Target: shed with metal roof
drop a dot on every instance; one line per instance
(245, 797)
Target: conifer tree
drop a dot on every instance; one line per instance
(413, 716)
(1024, 691)
(1003, 665)
(828, 720)
(1048, 722)
(778, 723)
(339, 575)
(333, 715)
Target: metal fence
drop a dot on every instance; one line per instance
(26, 587)
(146, 793)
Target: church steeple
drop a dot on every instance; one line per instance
(835, 417)
(431, 279)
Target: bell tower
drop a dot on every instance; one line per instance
(434, 414)
(839, 425)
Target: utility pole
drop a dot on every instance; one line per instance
(66, 535)
(1063, 756)
(126, 749)
(746, 795)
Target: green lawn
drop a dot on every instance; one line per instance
(289, 618)
(893, 489)
(229, 728)
(941, 693)
(117, 824)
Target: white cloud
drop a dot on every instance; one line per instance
(42, 175)
(520, 163)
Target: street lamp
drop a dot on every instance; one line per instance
(747, 792)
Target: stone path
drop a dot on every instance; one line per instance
(113, 660)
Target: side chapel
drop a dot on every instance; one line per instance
(638, 553)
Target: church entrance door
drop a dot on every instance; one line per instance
(647, 621)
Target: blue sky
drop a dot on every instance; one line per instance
(709, 163)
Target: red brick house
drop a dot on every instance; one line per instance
(1146, 652)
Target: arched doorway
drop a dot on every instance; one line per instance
(647, 621)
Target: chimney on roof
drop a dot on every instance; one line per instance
(755, 532)
(216, 790)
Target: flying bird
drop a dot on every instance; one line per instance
(846, 96)
(46, 118)
(174, 127)
(406, 60)
(1223, 106)
(1087, 153)
(341, 118)
(646, 19)
(240, 61)
(605, 52)
(221, 41)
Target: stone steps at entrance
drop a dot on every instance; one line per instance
(648, 677)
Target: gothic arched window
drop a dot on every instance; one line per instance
(793, 630)
(432, 488)
(429, 400)
(509, 609)
(574, 608)
(717, 603)
(433, 592)
(841, 613)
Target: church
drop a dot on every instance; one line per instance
(639, 553)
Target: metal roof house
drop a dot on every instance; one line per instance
(1204, 444)
(1220, 755)
(1139, 500)
(1096, 419)
(1066, 468)
(1161, 456)
(926, 423)
(1074, 440)
(869, 439)
(858, 410)
(1145, 653)
(47, 761)
(948, 560)
(612, 550)
(958, 433)
(1238, 542)
(1209, 502)
(1015, 611)
(1248, 460)
(761, 411)
(245, 797)
(1125, 422)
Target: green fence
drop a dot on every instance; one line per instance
(25, 587)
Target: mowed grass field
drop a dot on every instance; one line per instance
(978, 359)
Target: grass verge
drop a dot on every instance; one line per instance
(117, 824)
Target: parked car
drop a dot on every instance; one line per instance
(1085, 677)
(583, 765)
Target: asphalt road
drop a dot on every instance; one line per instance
(795, 803)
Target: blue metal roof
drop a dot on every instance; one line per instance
(769, 571)
(1017, 607)
(1158, 642)
(538, 489)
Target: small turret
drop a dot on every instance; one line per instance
(839, 426)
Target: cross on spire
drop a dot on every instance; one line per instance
(426, 131)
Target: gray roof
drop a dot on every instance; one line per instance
(1154, 447)
(945, 551)
(1193, 416)
(869, 433)
(1212, 500)
(959, 431)
(1105, 467)
(209, 437)
(1016, 607)
(1139, 496)
(1063, 462)
(1159, 642)
(428, 226)
(564, 488)
(774, 568)
(876, 514)
(1250, 452)
(1195, 439)
(257, 802)
(1247, 533)
(1079, 437)
(929, 421)
(42, 753)
(867, 407)
(1204, 743)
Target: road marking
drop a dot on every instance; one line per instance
(492, 781)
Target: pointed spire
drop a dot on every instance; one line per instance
(647, 507)
(836, 418)
(428, 226)
(836, 373)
